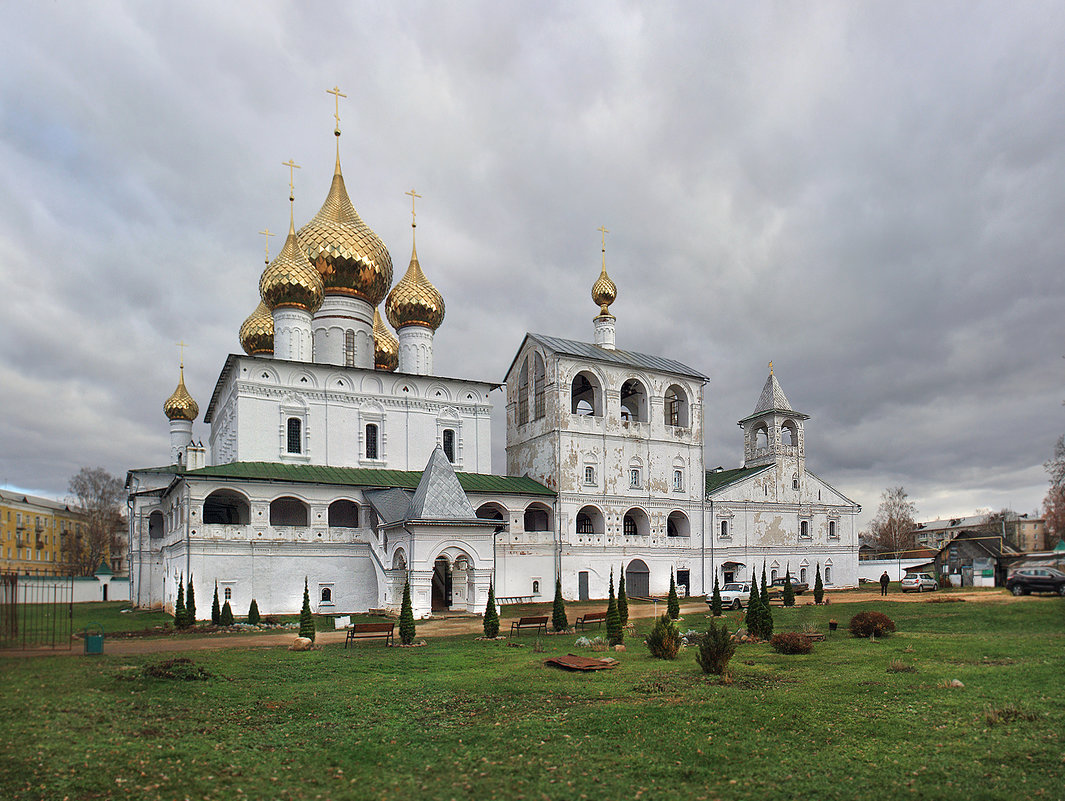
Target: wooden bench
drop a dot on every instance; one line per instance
(538, 623)
(368, 631)
(591, 617)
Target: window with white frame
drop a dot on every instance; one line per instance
(634, 478)
(589, 474)
(678, 481)
(449, 444)
(828, 574)
(295, 435)
(227, 594)
(724, 529)
(833, 533)
(804, 529)
(371, 441)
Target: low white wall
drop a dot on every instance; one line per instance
(872, 569)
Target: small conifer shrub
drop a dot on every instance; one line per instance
(615, 635)
(791, 642)
(216, 610)
(491, 615)
(190, 604)
(716, 648)
(179, 606)
(306, 616)
(253, 613)
(559, 620)
(819, 587)
(407, 629)
(764, 594)
(789, 591)
(225, 617)
(673, 603)
(870, 624)
(715, 600)
(623, 600)
(664, 639)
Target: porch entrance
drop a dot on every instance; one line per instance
(441, 595)
(637, 579)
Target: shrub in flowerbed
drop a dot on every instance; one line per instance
(664, 639)
(871, 624)
(791, 642)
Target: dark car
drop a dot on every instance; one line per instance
(1036, 579)
(797, 587)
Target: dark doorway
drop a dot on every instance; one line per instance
(582, 585)
(684, 580)
(441, 599)
(637, 579)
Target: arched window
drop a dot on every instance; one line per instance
(539, 388)
(343, 514)
(288, 512)
(761, 438)
(828, 574)
(789, 435)
(584, 523)
(590, 521)
(155, 526)
(676, 407)
(678, 481)
(295, 435)
(585, 396)
(449, 444)
(772, 575)
(523, 393)
(634, 478)
(349, 348)
(589, 474)
(327, 595)
(633, 401)
(804, 529)
(371, 441)
(832, 529)
(724, 529)
(636, 524)
(677, 525)
(536, 588)
(795, 481)
(802, 574)
(226, 507)
(537, 517)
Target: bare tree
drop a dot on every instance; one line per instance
(893, 529)
(1054, 503)
(1056, 464)
(98, 496)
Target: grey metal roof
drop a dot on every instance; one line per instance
(773, 399)
(630, 358)
(439, 495)
(391, 505)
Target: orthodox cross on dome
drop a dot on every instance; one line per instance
(602, 229)
(337, 94)
(771, 368)
(267, 233)
(292, 165)
(181, 351)
(413, 216)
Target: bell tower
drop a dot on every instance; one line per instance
(773, 433)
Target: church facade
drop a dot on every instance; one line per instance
(336, 457)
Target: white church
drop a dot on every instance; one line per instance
(337, 455)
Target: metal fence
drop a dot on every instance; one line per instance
(36, 610)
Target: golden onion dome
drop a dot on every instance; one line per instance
(385, 346)
(180, 405)
(414, 301)
(290, 280)
(348, 255)
(604, 292)
(257, 332)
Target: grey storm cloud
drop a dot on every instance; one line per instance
(868, 194)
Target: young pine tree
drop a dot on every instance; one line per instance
(190, 604)
(559, 621)
(623, 600)
(225, 617)
(789, 591)
(615, 634)
(407, 629)
(715, 600)
(765, 615)
(179, 606)
(754, 608)
(216, 610)
(491, 615)
(764, 595)
(819, 588)
(253, 613)
(673, 604)
(306, 617)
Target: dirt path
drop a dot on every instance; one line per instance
(471, 624)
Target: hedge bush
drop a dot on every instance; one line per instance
(868, 624)
(716, 648)
(791, 642)
(664, 639)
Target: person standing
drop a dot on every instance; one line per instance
(885, 579)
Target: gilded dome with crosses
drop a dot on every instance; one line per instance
(386, 346)
(257, 332)
(290, 280)
(180, 405)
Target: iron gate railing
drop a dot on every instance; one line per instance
(36, 610)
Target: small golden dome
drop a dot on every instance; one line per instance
(180, 405)
(386, 346)
(257, 332)
(348, 255)
(414, 301)
(604, 292)
(290, 280)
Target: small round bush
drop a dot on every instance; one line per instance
(791, 642)
(664, 639)
(716, 648)
(869, 624)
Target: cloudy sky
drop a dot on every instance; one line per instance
(871, 195)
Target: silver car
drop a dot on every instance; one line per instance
(734, 595)
(919, 582)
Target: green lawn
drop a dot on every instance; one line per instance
(465, 719)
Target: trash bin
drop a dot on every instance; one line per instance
(94, 640)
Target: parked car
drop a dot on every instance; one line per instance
(1036, 579)
(734, 595)
(797, 587)
(919, 582)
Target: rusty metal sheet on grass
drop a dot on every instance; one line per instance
(574, 662)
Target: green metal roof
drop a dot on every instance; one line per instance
(364, 477)
(715, 480)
